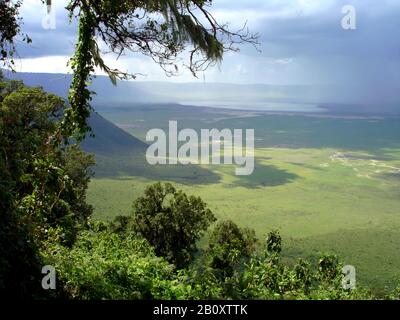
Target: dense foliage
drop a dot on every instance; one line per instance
(43, 182)
(107, 265)
(171, 221)
(104, 264)
(229, 246)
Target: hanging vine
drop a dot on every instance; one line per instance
(75, 117)
(159, 29)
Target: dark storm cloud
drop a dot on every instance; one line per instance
(321, 33)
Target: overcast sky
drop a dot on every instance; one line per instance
(302, 42)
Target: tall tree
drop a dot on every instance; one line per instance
(171, 221)
(229, 246)
(42, 184)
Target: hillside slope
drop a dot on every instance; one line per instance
(109, 139)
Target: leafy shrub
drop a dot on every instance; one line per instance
(105, 265)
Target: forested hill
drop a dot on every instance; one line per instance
(109, 139)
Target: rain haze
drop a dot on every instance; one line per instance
(302, 43)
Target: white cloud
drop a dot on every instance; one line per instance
(46, 64)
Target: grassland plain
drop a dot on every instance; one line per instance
(328, 185)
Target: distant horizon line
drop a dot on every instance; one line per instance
(187, 82)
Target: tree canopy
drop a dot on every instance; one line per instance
(171, 221)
